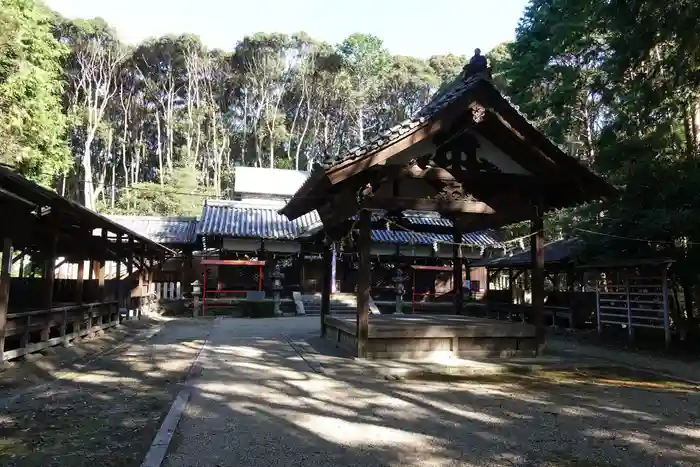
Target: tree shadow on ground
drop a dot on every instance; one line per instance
(274, 407)
(81, 408)
(258, 403)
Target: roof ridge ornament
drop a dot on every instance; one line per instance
(477, 66)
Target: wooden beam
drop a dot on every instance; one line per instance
(5, 269)
(354, 166)
(537, 258)
(363, 284)
(431, 205)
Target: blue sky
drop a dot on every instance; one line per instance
(407, 27)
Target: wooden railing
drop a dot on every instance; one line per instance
(66, 322)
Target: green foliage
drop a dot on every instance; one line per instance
(180, 196)
(617, 85)
(32, 125)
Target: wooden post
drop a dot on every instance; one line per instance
(101, 270)
(326, 287)
(457, 270)
(79, 286)
(142, 262)
(511, 289)
(363, 284)
(5, 270)
(300, 265)
(100, 280)
(49, 275)
(537, 260)
(664, 292)
(628, 305)
(570, 288)
(118, 274)
(148, 271)
(188, 272)
(129, 272)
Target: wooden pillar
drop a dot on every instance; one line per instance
(149, 275)
(101, 287)
(511, 289)
(457, 270)
(49, 275)
(326, 286)
(101, 268)
(5, 270)
(129, 272)
(363, 283)
(664, 292)
(188, 272)
(79, 285)
(537, 280)
(118, 274)
(300, 265)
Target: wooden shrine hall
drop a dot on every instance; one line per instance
(41, 231)
(470, 156)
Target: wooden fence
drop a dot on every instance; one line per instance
(634, 302)
(166, 290)
(32, 331)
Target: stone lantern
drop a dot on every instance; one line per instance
(277, 277)
(196, 295)
(399, 290)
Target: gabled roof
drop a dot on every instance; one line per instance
(504, 125)
(69, 216)
(441, 100)
(169, 230)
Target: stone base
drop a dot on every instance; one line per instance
(425, 337)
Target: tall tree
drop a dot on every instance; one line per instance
(32, 124)
(365, 61)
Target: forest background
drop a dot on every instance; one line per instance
(158, 127)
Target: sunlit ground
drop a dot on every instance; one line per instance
(257, 402)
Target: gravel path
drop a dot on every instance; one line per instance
(258, 403)
(97, 409)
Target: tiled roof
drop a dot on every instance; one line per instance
(396, 235)
(451, 92)
(400, 237)
(415, 218)
(242, 220)
(161, 229)
(554, 252)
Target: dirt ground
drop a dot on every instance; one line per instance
(99, 402)
(258, 401)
